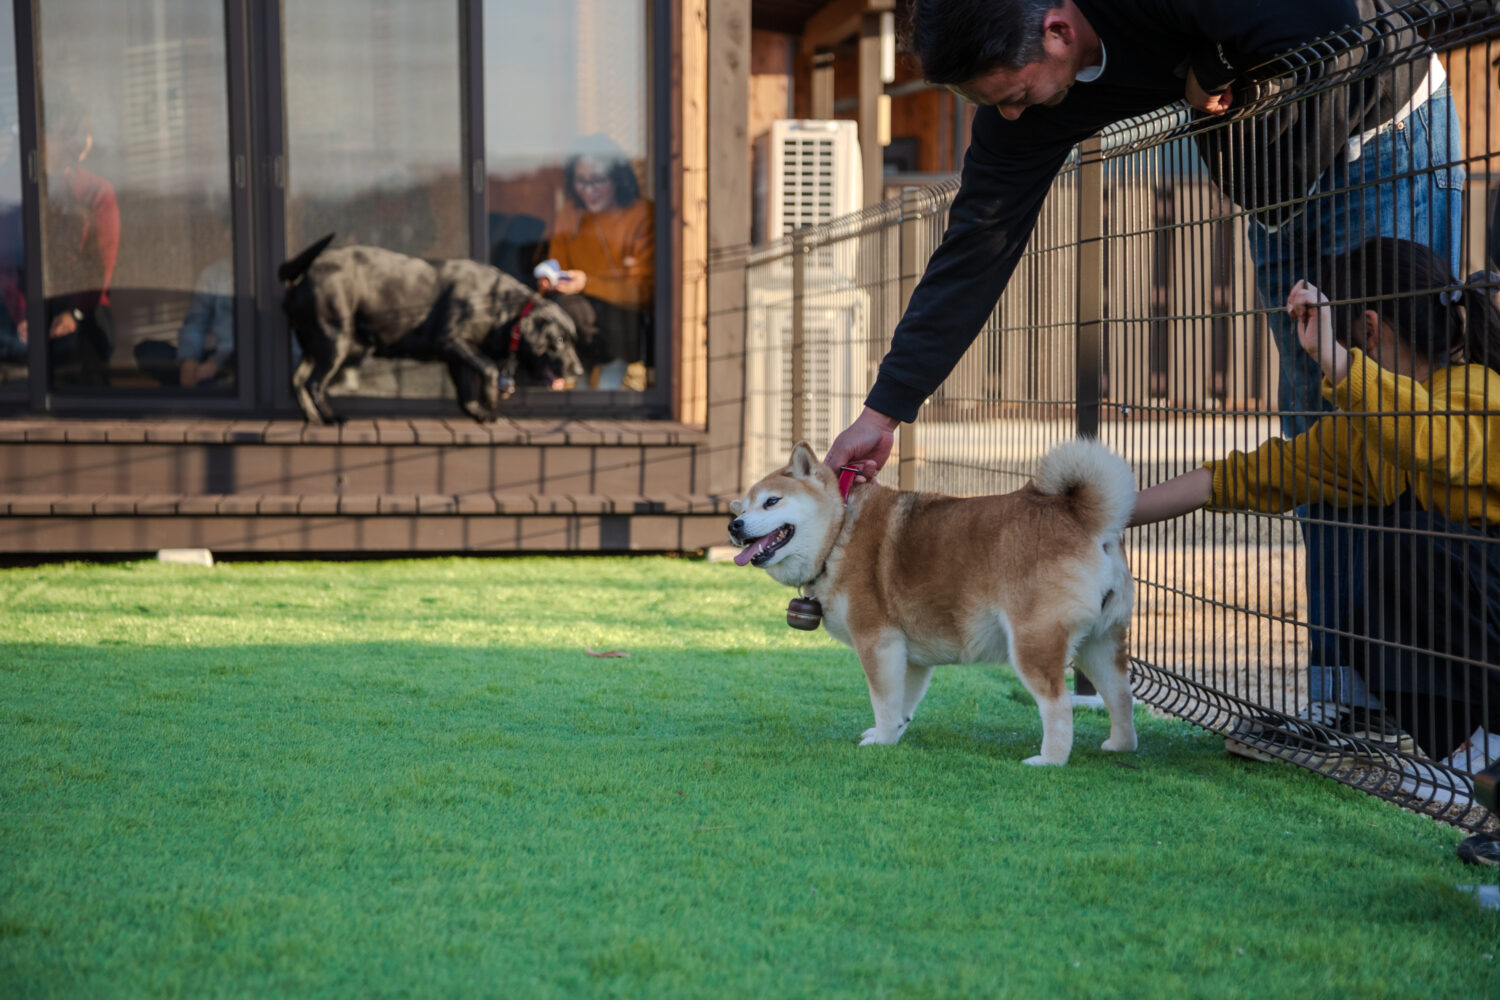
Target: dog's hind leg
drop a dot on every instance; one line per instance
(1038, 657)
(299, 387)
(315, 386)
(917, 679)
(1103, 659)
(884, 660)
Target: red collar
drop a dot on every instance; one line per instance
(515, 330)
(846, 481)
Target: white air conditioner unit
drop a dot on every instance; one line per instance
(840, 363)
(806, 172)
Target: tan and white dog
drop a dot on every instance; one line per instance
(1036, 578)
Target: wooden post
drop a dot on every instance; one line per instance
(871, 152)
(728, 226)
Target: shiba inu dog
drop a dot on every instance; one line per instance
(1036, 578)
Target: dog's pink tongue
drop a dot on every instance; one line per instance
(751, 551)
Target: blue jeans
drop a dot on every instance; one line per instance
(1408, 183)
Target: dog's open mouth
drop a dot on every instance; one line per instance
(758, 550)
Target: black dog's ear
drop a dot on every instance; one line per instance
(804, 463)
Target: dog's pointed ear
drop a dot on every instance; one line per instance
(805, 462)
(736, 507)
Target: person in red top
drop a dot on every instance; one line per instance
(82, 226)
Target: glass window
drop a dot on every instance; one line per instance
(374, 146)
(12, 255)
(138, 273)
(568, 161)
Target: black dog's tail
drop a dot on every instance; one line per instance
(298, 265)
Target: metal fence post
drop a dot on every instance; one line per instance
(907, 232)
(1090, 312)
(799, 366)
(1088, 346)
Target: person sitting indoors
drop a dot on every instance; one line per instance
(604, 241)
(1411, 360)
(205, 341)
(82, 225)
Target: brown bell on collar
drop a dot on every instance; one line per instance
(804, 613)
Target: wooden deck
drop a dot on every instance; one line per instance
(389, 486)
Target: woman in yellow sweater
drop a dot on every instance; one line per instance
(605, 242)
(1414, 369)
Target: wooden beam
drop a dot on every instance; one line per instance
(870, 89)
(821, 88)
(838, 21)
(728, 208)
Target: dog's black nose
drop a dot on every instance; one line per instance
(736, 528)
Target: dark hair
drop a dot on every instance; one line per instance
(957, 40)
(1411, 288)
(621, 173)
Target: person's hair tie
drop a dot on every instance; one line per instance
(1480, 281)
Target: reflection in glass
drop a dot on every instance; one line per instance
(136, 212)
(374, 144)
(569, 169)
(13, 348)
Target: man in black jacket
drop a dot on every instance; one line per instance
(1378, 154)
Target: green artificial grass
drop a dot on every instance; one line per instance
(408, 778)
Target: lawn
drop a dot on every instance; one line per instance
(410, 778)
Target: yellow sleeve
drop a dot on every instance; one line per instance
(1324, 464)
(1420, 430)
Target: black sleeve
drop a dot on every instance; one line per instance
(1007, 173)
(1247, 33)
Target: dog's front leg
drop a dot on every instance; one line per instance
(460, 356)
(884, 660)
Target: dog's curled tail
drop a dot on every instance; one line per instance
(295, 268)
(1100, 482)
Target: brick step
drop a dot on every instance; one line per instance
(87, 458)
(79, 486)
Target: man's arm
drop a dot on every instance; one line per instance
(1008, 171)
(1242, 36)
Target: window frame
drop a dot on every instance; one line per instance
(256, 96)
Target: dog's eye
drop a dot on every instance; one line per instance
(771, 502)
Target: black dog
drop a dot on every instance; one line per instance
(347, 303)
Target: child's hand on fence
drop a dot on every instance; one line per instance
(1309, 308)
(1173, 498)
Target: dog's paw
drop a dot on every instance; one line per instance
(1040, 761)
(1123, 746)
(873, 737)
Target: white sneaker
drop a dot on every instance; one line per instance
(1478, 752)
(1322, 713)
(1425, 781)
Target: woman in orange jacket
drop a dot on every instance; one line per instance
(605, 243)
(1411, 358)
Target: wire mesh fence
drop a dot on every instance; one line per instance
(1337, 604)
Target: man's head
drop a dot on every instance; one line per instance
(1012, 54)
